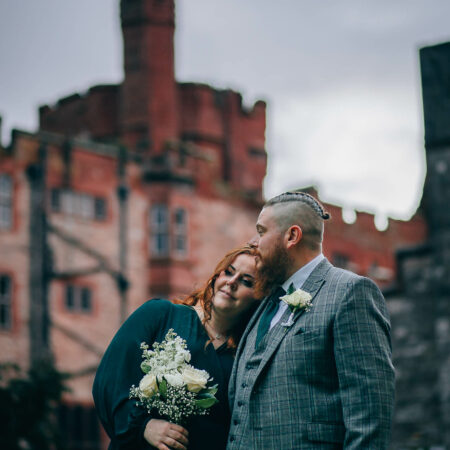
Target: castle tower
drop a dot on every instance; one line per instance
(435, 70)
(422, 307)
(148, 115)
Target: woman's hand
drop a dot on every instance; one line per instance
(165, 435)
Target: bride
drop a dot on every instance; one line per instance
(211, 320)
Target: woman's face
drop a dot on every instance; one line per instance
(234, 287)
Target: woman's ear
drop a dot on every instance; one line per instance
(293, 236)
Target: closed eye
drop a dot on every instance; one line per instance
(260, 230)
(248, 283)
(246, 280)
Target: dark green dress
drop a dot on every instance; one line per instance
(120, 368)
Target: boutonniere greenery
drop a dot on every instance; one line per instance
(296, 299)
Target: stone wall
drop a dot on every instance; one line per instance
(420, 306)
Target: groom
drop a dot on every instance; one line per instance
(319, 376)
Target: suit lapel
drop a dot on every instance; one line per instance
(312, 285)
(317, 277)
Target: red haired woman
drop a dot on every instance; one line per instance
(211, 320)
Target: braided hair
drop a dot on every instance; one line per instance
(302, 209)
(300, 197)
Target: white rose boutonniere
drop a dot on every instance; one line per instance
(296, 300)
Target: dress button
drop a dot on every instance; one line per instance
(244, 385)
(236, 421)
(240, 403)
(231, 438)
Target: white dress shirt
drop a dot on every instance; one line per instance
(297, 279)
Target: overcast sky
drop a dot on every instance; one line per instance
(341, 78)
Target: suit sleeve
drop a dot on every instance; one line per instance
(362, 349)
(123, 421)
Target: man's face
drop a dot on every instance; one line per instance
(272, 261)
(268, 237)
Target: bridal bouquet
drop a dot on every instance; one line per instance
(171, 386)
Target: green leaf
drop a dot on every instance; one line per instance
(291, 289)
(206, 402)
(212, 390)
(205, 395)
(145, 366)
(163, 388)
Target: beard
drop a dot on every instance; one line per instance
(273, 270)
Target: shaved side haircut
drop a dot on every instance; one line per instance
(302, 209)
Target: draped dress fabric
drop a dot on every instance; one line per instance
(125, 422)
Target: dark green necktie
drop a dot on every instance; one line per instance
(269, 313)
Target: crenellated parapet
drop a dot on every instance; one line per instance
(92, 115)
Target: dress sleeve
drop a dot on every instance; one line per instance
(119, 369)
(363, 361)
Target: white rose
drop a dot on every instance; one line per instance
(174, 379)
(195, 379)
(298, 299)
(148, 385)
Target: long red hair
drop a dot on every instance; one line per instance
(205, 294)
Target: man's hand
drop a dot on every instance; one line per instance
(165, 435)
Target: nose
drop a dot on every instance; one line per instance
(253, 242)
(232, 282)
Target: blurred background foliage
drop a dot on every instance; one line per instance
(29, 404)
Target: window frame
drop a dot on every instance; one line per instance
(6, 303)
(78, 204)
(76, 293)
(180, 232)
(160, 231)
(6, 201)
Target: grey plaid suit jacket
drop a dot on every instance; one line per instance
(327, 382)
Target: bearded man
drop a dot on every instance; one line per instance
(313, 370)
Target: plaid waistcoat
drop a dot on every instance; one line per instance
(248, 364)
